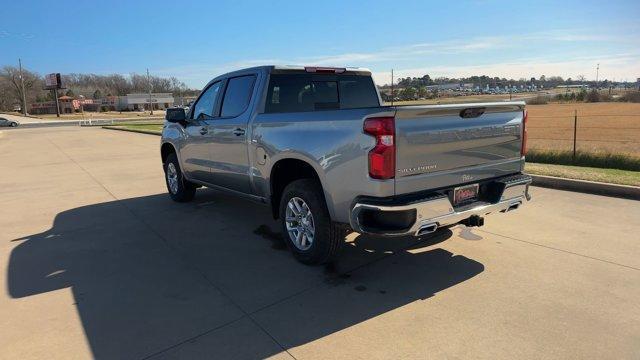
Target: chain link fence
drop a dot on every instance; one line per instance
(582, 131)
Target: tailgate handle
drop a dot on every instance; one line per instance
(472, 112)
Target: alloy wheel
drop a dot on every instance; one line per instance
(172, 178)
(300, 224)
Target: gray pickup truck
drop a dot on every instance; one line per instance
(318, 146)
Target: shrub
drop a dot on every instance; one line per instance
(597, 96)
(538, 100)
(593, 96)
(583, 158)
(631, 96)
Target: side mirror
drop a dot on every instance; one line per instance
(175, 115)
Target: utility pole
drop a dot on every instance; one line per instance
(575, 132)
(24, 96)
(150, 103)
(392, 95)
(55, 95)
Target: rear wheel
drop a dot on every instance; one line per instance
(180, 189)
(14, 124)
(307, 227)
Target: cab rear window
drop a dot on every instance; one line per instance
(306, 92)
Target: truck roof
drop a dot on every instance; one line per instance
(303, 67)
(360, 70)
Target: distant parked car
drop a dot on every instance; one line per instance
(6, 122)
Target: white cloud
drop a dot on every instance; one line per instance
(199, 74)
(620, 67)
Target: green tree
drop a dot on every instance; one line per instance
(423, 92)
(408, 93)
(97, 94)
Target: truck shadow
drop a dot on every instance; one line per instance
(147, 274)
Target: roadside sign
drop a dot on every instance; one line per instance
(53, 81)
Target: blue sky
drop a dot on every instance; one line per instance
(196, 40)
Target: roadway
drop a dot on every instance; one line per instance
(98, 262)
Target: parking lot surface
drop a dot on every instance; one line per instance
(97, 261)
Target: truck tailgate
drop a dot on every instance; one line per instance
(447, 145)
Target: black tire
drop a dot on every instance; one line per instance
(328, 237)
(14, 124)
(185, 190)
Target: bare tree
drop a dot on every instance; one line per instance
(88, 85)
(32, 85)
(6, 95)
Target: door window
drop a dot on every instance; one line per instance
(204, 107)
(237, 96)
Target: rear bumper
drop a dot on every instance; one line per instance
(425, 214)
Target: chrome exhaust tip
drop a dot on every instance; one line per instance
(427, 229)
(512, 207)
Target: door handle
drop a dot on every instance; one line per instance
(203, 131)
(238, 132)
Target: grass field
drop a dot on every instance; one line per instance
(155, 127)
(602, 127)
(613, 176)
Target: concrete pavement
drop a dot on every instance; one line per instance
(98, 262)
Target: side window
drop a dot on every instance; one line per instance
(204, 106)
(237, 96)
(289, 93)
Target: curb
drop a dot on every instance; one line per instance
(148, 132)
(588, 187)
(80, 122)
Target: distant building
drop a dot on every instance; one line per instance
(130, 102)
(141, 101)
(184, 100)
(92, 105)
(577, 86)
(67, 106)
(443, 87)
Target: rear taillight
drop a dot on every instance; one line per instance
(324, 70)
(382, 158)
(523, 150)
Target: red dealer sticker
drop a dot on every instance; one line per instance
(465, 194)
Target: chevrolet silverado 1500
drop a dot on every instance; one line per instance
(318, 146)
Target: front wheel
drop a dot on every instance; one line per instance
(180, 189)
(14, 124)
(307, 227)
